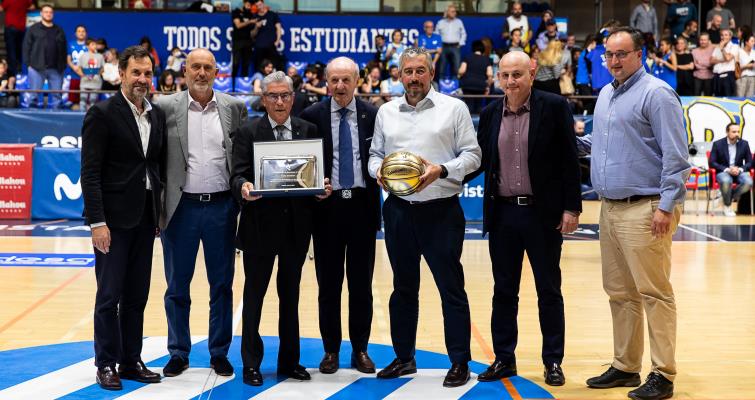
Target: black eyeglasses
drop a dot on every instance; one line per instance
(273, 97)
(619, 54)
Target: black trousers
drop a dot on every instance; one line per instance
(267, 53)
(724, 84)
(517, 229)
(343, 232)
(436, 231)
(291, 249)
(123, 277)
(242, 58)
(704, 86)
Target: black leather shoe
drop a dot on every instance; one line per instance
(252, 376)
(398, 368)
(108, 379)
(329, 363)
(175, 366)
(554, 375)
(299, 372)
(497, 371)
(138, 372)
(221, 365)
(656, 387)
(613, 378)
(458, 375)
(362, 362)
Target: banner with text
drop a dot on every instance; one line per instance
(57, 184)
(15, 180)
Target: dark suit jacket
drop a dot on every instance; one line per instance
(552, 157)
(260, 218)
(113, 165)
(719, 155)
(319, 114)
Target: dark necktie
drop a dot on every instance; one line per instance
(280, 132)
(345, 153)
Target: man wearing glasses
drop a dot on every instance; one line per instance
(269, 228)
(639, 167)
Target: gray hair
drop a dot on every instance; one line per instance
(412, 52)
(342, 60)
(276, 77)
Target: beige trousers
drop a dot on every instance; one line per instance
(636, 271)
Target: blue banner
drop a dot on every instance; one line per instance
(56, 190)
(43, 128)
(46, 260)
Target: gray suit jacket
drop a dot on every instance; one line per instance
(233, 114)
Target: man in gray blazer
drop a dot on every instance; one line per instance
(199, 207)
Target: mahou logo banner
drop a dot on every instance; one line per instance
(15, 181)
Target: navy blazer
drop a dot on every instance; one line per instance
(552, 157)
(719, 155)
(319, 114)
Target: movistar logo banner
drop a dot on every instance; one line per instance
(63, 184)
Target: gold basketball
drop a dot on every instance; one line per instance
(401, 171)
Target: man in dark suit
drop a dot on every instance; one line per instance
(532, 197)
(122, 152)
(732, 160)
(270, 227)
(347, 222)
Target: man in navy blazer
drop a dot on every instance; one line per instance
(532, 197)
(346, 223)
(732, 160)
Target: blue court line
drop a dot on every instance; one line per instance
(369, 389)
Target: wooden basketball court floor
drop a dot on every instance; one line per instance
(713, 276)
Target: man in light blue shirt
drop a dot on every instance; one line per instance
(454, 36)
(639, 168)
(430, 41)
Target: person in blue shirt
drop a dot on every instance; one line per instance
(76, 48)
(599, 75)
(664, 63)
(430, 41)
(678, 13)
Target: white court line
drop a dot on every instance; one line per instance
(702, 233)
(321, 386)
(78, 376)
(237, 315)
(428, 384)
(185, 386)
(82, 323)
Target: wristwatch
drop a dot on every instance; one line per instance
(443, 172)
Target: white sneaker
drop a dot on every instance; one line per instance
(729, 212)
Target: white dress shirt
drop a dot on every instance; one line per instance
(451, 31)
(726, 66)
(144, 125)
(439, 129)
(335, 122)
(288, 132)
(207, 165)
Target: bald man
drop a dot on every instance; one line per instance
(199, 207)
(532, 198)
(348, 221)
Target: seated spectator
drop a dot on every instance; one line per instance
(146, 42)
(181, 81)
(7, 83)
(664, 63)
(724, 59)
(475, 76)
(732, 159)
(690, 34)
(371, 85)
(176, 59)
(291, 71)
(516, 42)
(101, 45)
(550, 65)
(380, 51)
(110, 76)
(550, 33)
(584, 140)
(167, 82)
(547, 16)
(703, 72)
(392, 87)
(746, 60)
(714, 31)
(314, 83)
(395, 48)
(264, 69)
(685, 81)
(301, 98)
(91, 65)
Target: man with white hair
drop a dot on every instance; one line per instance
(346, 125)
(271, 227)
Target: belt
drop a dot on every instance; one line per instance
(347, 194)
(637, 197)
(431, 201)
(207, 197)
(517, 200)
(450, 44)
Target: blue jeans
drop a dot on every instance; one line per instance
(744, 183)
(213, 223)
(449, 56)
(37, 80)
(14, 40)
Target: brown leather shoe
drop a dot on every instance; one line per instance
(362, 362)
(329, 363)
(138, 372)
(108, 379)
